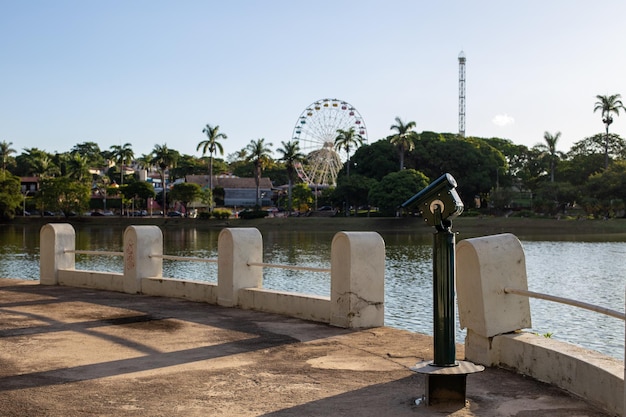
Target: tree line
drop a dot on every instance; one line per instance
(493, 174)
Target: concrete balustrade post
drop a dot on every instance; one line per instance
(141, 243)
(357, 280)
(55, 239)
(485, 266)
(236, 248)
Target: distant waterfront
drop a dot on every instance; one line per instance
(553, 229)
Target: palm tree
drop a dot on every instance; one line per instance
(259, 155)
(608, 105)
(291, 156)
(40, 163)
(123, 155)
(5, 151)
(239, 156)
(90, 150)
(404, 138)
(78, 167)
(144, 162)
(164, 158)
(550, 146)
(211, 144)
(345, 140)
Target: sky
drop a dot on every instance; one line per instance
(150, 72)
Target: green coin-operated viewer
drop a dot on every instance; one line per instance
(438, 204)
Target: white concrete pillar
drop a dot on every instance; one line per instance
(236, 248)
(485, 266)
(54, 240)
(141, 243)
(357, 292)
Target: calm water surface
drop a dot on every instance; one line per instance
(593, 272)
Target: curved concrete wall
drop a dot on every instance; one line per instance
(495, 322)
(357, 274)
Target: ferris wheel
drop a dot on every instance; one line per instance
(316, 130)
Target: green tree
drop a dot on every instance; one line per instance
(404, 139)
(123, 155)
(259, 155)
(276, 170)
(207, 196)
(555, 197)
(375, 160)
(36, 162)
(185, 193)
(577, 168)
(164, 158)
(237, 161)
(533, 170)
(63, 194)
(345, 140)
(188, 165)
(220, 166)
(61, 161)
(302, 197)
(603, 189)
(212, 145)
(145, 162)
(550, 150)
(608, 105)
(515, 156)
(239, 156)
(5, 152)
(477, 166)
(138, 189)
(244, 170)
(10, 195)
(353, 190)
(291, 156)
(587, 157)
(596, 145)
(395, 188)
(78, 167)
(91, 151)
(218, 196)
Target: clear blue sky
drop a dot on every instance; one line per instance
(155, 72)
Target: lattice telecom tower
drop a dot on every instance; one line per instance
(462, 94)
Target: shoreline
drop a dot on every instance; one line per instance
(613, 229)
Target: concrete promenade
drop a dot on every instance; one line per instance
(68, 351)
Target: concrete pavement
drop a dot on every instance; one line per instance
(80, 352)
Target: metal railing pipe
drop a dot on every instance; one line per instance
(94, 252)
(184, 258)
(568, 301)
(293, 267)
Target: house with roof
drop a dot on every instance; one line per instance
(29, 185)
(238, 192)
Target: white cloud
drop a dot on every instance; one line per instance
(503, 120)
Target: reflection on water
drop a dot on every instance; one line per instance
(592, 272)
(19, 252)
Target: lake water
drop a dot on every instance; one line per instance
(589, 271)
